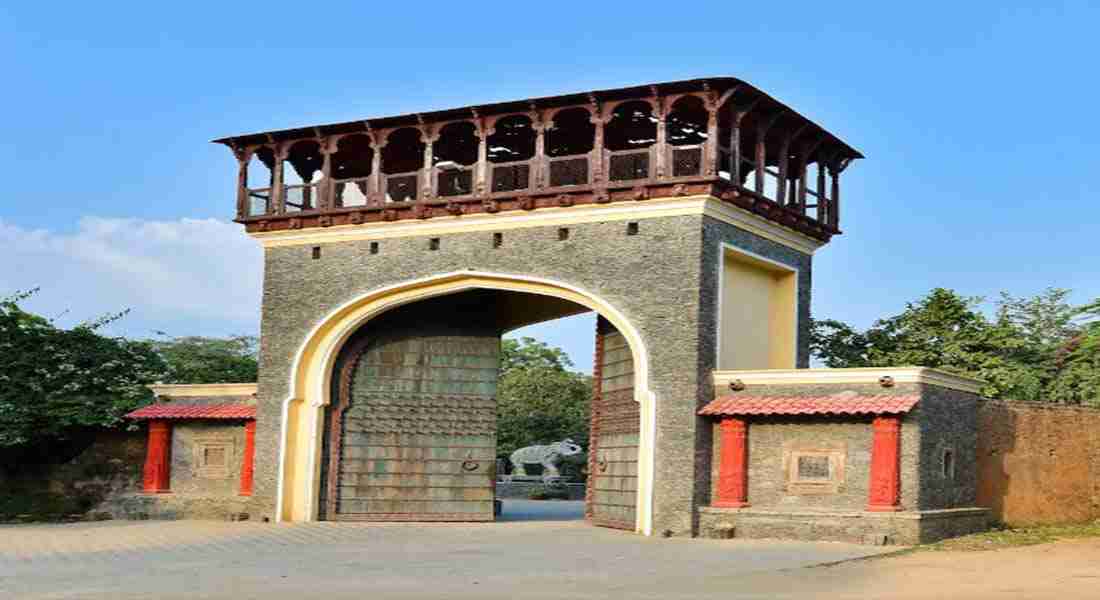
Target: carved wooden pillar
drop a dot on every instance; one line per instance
(761, 157)
(735, 146)
(733, 464)
(325, 190)
(248, 465)
(834, 195)
(482, 171)
(822, 201)
(428, 135)
(243, 157)
(158, 458)
(597, 142)
(539, 167)
(663, 149)
(784, 160)
(885, 481)
(803, 167)
(711, 155)
(278, 194)
(375, 196)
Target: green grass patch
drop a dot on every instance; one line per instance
(1011, 537)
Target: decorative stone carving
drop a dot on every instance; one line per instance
(550, 457)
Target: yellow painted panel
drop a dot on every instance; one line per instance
(758, 323)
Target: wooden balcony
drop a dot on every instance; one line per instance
(719, 137)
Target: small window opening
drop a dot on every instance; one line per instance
(632, 228)
(687, 122)
(948, 463)
(433, 244)
(374, 247)
(351, 166)
(260, 177)
(498, 240)
(402, 159)
(316, 252)
(302, 171)
(454, 155)
(563, 234)
(571, 132)
(632, 126)
(512, 141)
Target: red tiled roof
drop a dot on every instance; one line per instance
(199, 411)
(836, 404)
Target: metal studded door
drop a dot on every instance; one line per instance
(613, 449)
(413, 437)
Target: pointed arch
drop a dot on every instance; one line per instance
(311, 372)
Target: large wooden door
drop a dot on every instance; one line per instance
(413, 437)
(613, 447)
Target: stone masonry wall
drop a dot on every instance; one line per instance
(1038, 463)
(768, 434)
(715, 233)
(948, 423)
(186, 478)
(107, 468)
(663, 280)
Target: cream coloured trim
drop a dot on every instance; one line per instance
(860, 375)
(545, 217)
(311, 371)
(181, 390)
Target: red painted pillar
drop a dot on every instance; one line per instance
(733, 471)
(248, 462)
(157, 472)
(885, 481)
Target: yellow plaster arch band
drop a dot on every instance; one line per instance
(310, 376)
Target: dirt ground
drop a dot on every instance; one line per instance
(540, 550)
(1065, 570)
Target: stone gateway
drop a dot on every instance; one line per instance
(398, 250)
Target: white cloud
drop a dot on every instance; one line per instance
(190, 276)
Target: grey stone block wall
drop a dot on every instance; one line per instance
(948, 421)
(664, 280)
(185, 478)
(933, 506)
(905, 528)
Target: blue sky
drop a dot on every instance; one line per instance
(978, 120)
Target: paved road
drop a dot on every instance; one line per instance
(538, 550)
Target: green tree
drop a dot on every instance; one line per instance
(1035, 348)
(1077, 376)
(539, 399)
(56, 382)
(195, 359)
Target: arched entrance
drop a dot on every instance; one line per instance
(301, 452)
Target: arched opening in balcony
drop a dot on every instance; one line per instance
(569, 140)
(629, 137)
(351, 168)
(302, 172)
(686, 134)
(259, 181)
(402, 159)
(510, 150)
(454, 156)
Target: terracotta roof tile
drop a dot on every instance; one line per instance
(848, 403)
(195, 411)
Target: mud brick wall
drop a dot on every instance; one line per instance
(1038, 463)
